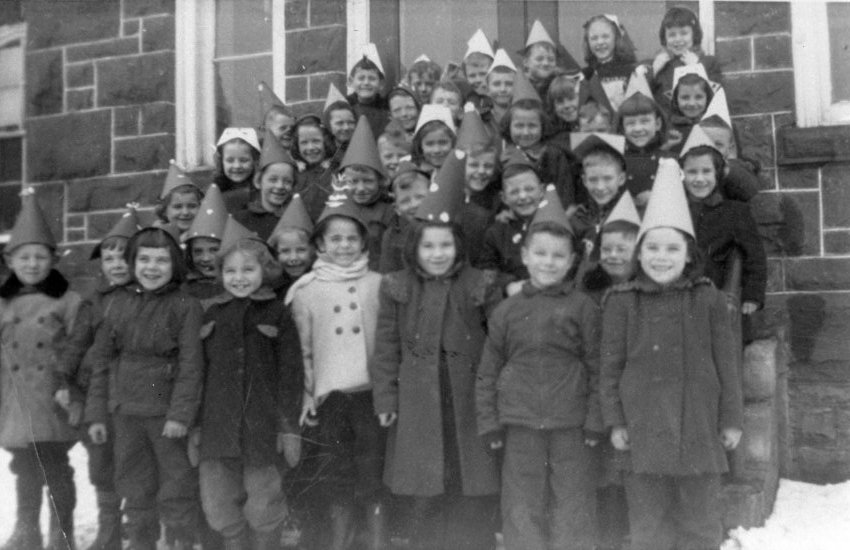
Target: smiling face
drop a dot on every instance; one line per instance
(522, 193)
(692, 100)
(447, 98)
(203, 251)
(617, 254)
(294, 252)
(341, 241)
(479, 170)
(679, 40)
(437, 251)
(409, 197)
(280, 125)
(31, 263)
(275, 185)
(390, 154)
(153, 267)
(663, 254)
(311, 144)
(722, 138)
(241, 274)
(366, 83)
(403, 109)
(601, 39)
(113, 265)
(548, 258)
(603, 179)
(539, 61)
(567, 109)
(182, 208)
(364, 183)
(422, 85)
(641, 129)
(500, 87)
(237, 160)
(700, 176)
(342, 125)
(526, 128)
(476, 66)
(436, 145)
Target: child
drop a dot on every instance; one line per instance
(536, 394)
(431, 327)
(253, 380)
(481, 148)
(610, 57)
(722, 226)
(179, 199)
(393, 146)
(593, 117)
(404, 109)
(366, 78)
(562, 102)
(421, 78)
(614, 249)
(433, 138)
(274, 181)
(670, 324)
(477, 60)
(277, 117)
(692, 93)
(237, 152)
(539, 57)
(202, 245)
(500, 84)
(447, 94)
(409, 187)
(37, 311)
(147, 370)
(335, 307)
(311, 149)
(290, 240)
(339, 118)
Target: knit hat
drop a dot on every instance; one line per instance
(718, 108)
(273, 152)
(551, 210)
(638, 84)
(269, 99)
(175, 178)
(472, 130)
(668, 204)
(334, 96)
(248, 135)
(583, 142)
(444, 200)
(370, 51)
(126, 226)
(233, 233)
(431, 112)
(697, 138)
(295, 216)
(502, 59)
(479, 44)
(523, 89)
(538, 34)
(362, 149)
(30, 226)
(624, 211)
(211, 217)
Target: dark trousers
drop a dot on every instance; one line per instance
(40, 464)
(449, 522)
(153, 474)
(548, 490)
(102, 462)
(681, 512)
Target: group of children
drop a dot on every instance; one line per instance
(501, 315)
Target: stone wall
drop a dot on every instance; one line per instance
(803, 216)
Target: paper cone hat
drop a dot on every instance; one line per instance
(211, 217)
(718, 108)
(248, 135)
(370, 52)
(444, 200)
(514, 161)
(696, 68)
(583, 142)
(638, 85)
(431, 112)
(668, 204)
(502, 59)
(269, 99)
(340, 203)
(126, 226)
(273, 152)
(697, 138)
(550, 210)
(422, 57)
(233, 233)
(523, 89)
(624, 211)
(565, 61)
(334, 96)
(362, 149)
(295, 216)
(479, 44)
(30, 226)
(175, 178)
(538, 34)
(472, 130)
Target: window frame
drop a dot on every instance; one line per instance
(8, 33)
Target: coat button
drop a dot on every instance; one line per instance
(39, 345)
(16, 368)
(655, 347)
(14, 345)
(356, 330)
(352, 305)
(339, 330)
(40, 320)
(16, 320)
(41, 367)
(352, 289)
(337, 309)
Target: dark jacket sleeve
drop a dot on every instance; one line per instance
(186, 395)
(292, 375)
(74, 372)
(490, 258)
(740, 184)
(384, 366)
(590, 326)
(754, 276)
(493, 359)
(712, 68)
(726, 362)
(103, 353)
(558, 168)
(615, 315)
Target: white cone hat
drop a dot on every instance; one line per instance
(479, 44)
(668, 204)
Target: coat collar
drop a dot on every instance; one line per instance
(263, 294)
(564, 288)
(644, 284)
(105, 287)
(54, 285)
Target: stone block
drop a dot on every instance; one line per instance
(836, 195)
(141, 79)
(296, 88)
(53, 23)
(755, 135)
(86, 155)
(817, 465)
(76, 266)
(836, 242)
(44, 82)
(158, 33)
(788, 222)
(10, 205)
(79, 100)
(767, 179)
(773, 52)
(74, 235)
(757, 459)
(126, 121)
(315, 50)
(114, 192)
(101, 224)
(79, 75)
(319, 84)
(143, 153)
(813, 145)
(775, 275)
(295, 14)
(131, 27)
(158, 118)
(75, 222)
(759, 370)
(734, 55)
(745, 18)
(112, 48)
(760, 92)
(327, 12)
(812, 274)
(802, 176)
(743, 506)
(817, 424)
(140, 8)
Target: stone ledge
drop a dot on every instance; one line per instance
(812, 145)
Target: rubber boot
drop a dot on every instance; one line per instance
(266, 540)
(108, 522)
(27, 532)
(376, 527)
(63, 499)
(342, 527)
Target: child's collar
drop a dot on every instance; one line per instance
(564, 287)
(54, 285)
(262, 294)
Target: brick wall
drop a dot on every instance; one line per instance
(803, 215)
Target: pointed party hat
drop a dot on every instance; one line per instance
(233, 233)
(697, 138)
(565, 61)
(273, 152)
(269, 99)
(538, 34)
(472, 130)
(479, 44)
(523, 89)
(514, 161)
(175, 178)
(30, 226)
(362, 149)
(502, 59)
(423, 58)
(211, 217)
(582, 143)
(668, 204)
(295, 216)
(718, 108)
(444, 200)
(126, 226)
(431, 112)
(340, 203)
(624, 211)
(334, 96)
(551, 210)
(638, 85)
(248, 135)
(370, 52)
(696, 68)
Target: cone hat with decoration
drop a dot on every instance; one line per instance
(444, 201)
(502, 59)
(668, 204)
(624, 211)
(30, 226)
(340, 203)
(431, 112)
(694, 68)
(582, 143)
(472, 131)
(370, 51)
(211, 217)
(233, 233)
(295, 216)
(175, 178)
(269, 99)
(538, 34)
(126, 226)
(697, 138)
(273, 153)
(479, 44)
(524, 90)
(718, 108)
(248, 135)
(334, 96)
(551, 210)
(638, 84)
(362, 149)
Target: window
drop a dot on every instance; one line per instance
(12, 40)
(821, 43)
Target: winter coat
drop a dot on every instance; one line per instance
(201, 287)
(669, 374)
(34, 324)
(587, 220)
(501, 251)
(253, 378)
(392, 244)
(257, 219)
(377, 216)
(313, 183)
(641, 165)
(421, 322)
(377, 112)
(723, 226)
(474, 221)
(540, 363)
(147, 358)
(557, 165)
(741, 182)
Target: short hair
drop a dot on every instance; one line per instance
(603, 155)
(639, 104)
(405, 180)
(414, 236)
(562, 86)
(716, 159)
(691, 79)
(323, 224)
(365, 64)
(277, 110)
(115, 242)
(425, 68)
(398, 91)
(512, 170)
(185, 189)
(476, 149)
(528, 105)
(619, 226)
(278, 234)
(622, 52)
(693, 267)
(448, 86)
(272, 270)
(427, 128)
(156, 237)
(219, 177)
(550, 228)
(679, 16)
(363, 169)
(339, 105)
(313, 122)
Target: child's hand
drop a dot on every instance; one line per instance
(193, 447)
(97, 433)
(494, 442)
(505, 216)
(689, 58)
(748, 308)
(661, 59)
(63, 397)
(386, 419)
(174, 429)
(730, 437)
(290, 446)
(620, 438)
(75, 413)
(642, 198)
(514, 287)
(308, 414)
